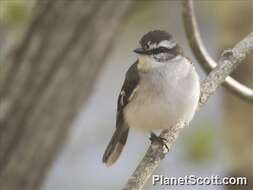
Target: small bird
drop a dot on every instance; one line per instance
(160, 89)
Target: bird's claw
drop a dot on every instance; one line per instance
(154, 138)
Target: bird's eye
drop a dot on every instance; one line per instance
(146, 46)
(163, 49)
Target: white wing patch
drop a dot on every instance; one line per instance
(122, 95)
(133, 93)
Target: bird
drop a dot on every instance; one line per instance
(160, 89)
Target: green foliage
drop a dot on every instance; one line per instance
(14, 12)
(199, 144)
(143, 12)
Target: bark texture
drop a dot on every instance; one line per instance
(46, 79)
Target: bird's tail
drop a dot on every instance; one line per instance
(115, 146)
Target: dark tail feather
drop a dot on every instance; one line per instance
(115, 146)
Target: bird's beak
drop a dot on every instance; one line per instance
(140, 51)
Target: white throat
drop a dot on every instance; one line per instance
(147, 63)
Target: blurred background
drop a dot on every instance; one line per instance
(62, 66)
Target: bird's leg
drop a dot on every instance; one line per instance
(154, 138)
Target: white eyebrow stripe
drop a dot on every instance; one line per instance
(168, 44)
(152, 46)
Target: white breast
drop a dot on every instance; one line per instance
(165, 95)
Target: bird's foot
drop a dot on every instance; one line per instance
(154, 138)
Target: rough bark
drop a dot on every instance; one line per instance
(47, 78)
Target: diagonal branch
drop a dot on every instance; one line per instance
(228, 62)
(201, 54)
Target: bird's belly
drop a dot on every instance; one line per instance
(150, 112)
(162, 108)
(148, 117)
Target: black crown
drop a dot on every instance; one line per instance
(154, 37)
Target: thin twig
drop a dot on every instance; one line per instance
(203, 57)
(228, 62)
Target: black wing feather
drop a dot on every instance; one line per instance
(119, 137)
(131, 82)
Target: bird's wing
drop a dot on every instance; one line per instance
(127, 92)
(119, 137)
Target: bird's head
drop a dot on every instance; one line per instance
(159, 46)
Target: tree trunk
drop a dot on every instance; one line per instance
(46, 80)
